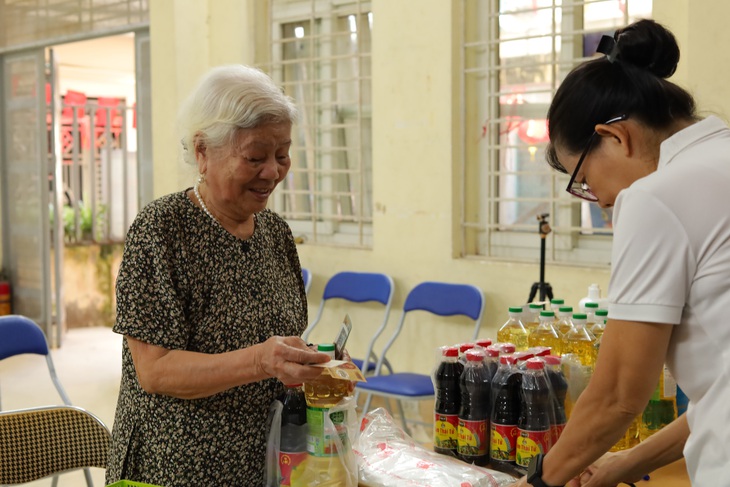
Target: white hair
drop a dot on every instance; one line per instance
(227, 99)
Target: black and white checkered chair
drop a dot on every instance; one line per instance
(40, 442)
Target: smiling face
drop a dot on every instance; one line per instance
(239, 179)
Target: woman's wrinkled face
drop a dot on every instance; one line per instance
(241, 178)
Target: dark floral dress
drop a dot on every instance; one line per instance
(185, 283)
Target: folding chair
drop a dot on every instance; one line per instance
(39, 442)
(359, 287)
(20, 335)
(307, 277)
(443, 299)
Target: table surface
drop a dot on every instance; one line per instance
(673, 475)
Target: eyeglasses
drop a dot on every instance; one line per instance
(581, 190)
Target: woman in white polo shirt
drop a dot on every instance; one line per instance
(631, 140)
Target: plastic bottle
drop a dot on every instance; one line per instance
(532, 317)
(473, 436)
(600, 324)
(483, 342)
(534, 423)
(514, 331)
(594, 294)
(323, 465)
(662, 407)
(505, 414)
(447, 403)
(563, 323)
(545, 335)
(555, 304)
(293, 436)
(506, 348)
(579, 359)
(463, 348)
(591, 307)
(559, 386)
(491, 360)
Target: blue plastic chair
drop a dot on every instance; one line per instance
(20, 335)
(307, 278)
(443, 299)
(359, 287)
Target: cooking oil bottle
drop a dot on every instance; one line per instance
(532, 317)
(579, 341)
(545, 335)
(514, 331)
(323, 465)
(662, 407)
(600, 324)
(563, 323)
(630, 438)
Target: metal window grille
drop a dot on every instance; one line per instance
(321, 57)
(515, 54)
(28, 22)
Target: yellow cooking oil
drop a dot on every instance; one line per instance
(531, 319)
(545, 334)
(580, 342)
(514, 331)
(563, 323)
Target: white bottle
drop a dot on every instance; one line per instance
(594, 295)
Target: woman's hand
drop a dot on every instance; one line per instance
(288, 359)
(608, 471)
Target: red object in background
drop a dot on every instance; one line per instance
(108, 105)
(533, 132)
(5, 303)
(73, 99)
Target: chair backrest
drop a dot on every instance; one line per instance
(357, 287)
(20, 335)
(307, 277)
(443, 299)
(39, 442)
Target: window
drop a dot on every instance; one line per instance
(321, 56)
(515, 53)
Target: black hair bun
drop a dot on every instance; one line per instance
(648, 45)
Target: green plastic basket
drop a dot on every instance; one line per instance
(129, 483)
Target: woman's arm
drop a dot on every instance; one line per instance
(662, 448)
(193, 375)
(630, 361)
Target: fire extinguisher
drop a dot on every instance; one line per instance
(5, 304)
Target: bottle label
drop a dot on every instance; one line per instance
(445, 431)
(670, 385)
(503, 442)
(531, 443)
(319, 443)
(288, 463)
(555, 431)
(472, 438)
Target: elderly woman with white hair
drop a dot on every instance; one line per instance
(210, 298)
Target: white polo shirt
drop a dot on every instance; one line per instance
(671, 264)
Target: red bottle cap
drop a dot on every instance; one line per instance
(450, 352)
(476, 355)
(492, 351)
(535, 364)
(465, 346)
(507, 359)
(484, 342)
(541, 351)
(551, 360)
(507, 347)
(522, 356)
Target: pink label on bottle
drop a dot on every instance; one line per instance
(288, 462)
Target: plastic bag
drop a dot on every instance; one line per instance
(387, 457)
(339, 469)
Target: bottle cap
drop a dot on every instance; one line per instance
(566, 309)
(507, 359)
(326, 347)
(602, 312)
(507, 347)
(476, 355)
(590, 304)
(515, 309)
(551, 360)
(536, 306)
(450, 352)
(557, 301)
(465, 346)
(484, 342)
(492, 351)
(579, 316)
(540, 351)
(548, 314)
(535, 364)
(522, 356)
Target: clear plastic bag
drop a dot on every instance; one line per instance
(387, 457)
(339, 469)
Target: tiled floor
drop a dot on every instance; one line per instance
(89, 368)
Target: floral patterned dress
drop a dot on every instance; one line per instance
(185, 283)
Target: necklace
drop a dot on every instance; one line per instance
(202, 204)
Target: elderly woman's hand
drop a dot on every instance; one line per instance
(288, 359)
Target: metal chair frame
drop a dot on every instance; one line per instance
(439, 298)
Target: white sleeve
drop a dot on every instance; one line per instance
(652, 261)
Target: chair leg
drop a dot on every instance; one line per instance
(403, 418)
(89, 481)
(54, 483)
(366, 407)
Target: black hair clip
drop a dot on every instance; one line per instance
(608, 46)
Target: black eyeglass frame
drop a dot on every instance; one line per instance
(582, 190)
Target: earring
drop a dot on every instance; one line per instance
(201, 178)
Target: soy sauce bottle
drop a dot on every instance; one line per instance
(534, 422)
(293, 436)
(505, 414)
(448, 403)
(473, 439)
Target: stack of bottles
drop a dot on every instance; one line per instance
(498, 407)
